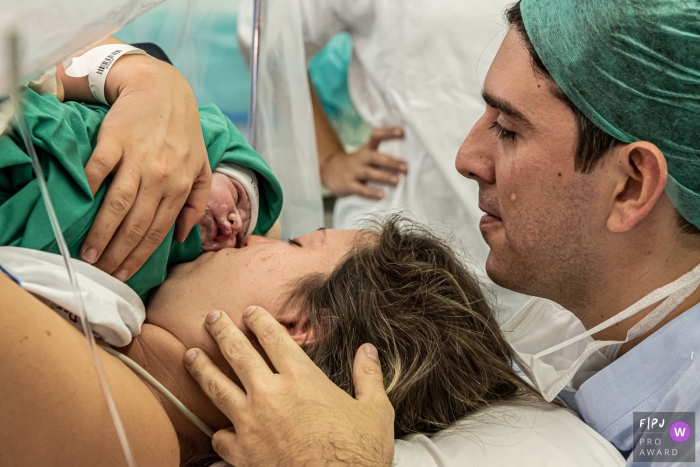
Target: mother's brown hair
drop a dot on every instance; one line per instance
(407, 292)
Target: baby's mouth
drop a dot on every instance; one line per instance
(215, 234)
(219, 233)
(224, 234)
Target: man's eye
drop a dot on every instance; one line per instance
(293, 242)
(502, 133)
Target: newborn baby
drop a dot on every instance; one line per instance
(232, 210)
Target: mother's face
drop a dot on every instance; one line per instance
(233, 279)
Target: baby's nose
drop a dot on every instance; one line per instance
(236, 222)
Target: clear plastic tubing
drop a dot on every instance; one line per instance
(13, 43)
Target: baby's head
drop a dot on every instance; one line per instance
(442, 352)
(227, 220)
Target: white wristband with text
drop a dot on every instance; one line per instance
(96, 63)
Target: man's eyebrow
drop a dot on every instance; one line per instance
(506, 108)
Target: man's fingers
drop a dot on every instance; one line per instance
(156, 232)
(195, 205)
(283, 352)
(104, 159)
(380, 134)
(384, 161)
(223, 392)
(367, 374)
(239, 353)
(225, 445)
(115, 206)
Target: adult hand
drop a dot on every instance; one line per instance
(297, 416)
(151, 141)
(347, 174)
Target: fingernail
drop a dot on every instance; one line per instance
(90, 255)
(190, 356)
(249, 311)
(122, 275)
(394, 179)
(397, 132)
(212, 317)
(371, 352)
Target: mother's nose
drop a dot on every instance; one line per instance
(475, 158)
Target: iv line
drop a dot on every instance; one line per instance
(13, 45)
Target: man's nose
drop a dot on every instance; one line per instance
(475, 158)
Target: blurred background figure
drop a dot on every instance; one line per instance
(414, 74)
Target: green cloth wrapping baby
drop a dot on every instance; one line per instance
(65, 134)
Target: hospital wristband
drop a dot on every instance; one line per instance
(96, 64)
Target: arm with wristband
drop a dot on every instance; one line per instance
(151, 142)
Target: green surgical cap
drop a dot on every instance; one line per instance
(633, 68)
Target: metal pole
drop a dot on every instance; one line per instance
(254, 68)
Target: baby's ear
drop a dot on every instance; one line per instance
(301, 332)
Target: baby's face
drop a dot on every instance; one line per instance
(227, 217)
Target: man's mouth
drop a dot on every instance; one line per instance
(490, 212)
(490, 219)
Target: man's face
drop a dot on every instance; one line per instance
(544, 220)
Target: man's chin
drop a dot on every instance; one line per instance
(501, 273)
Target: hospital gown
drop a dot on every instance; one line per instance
(65, 135)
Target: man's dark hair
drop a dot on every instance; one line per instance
(593, 143)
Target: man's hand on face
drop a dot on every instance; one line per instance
(151, 141)
(296, 416)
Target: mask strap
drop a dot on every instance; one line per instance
(657, 295)
(662, 311)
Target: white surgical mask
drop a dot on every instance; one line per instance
(556, 352)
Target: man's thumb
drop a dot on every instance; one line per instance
(367, 374)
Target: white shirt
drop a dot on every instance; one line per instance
(418, 64)
(511, 434)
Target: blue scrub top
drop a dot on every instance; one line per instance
(661, 374)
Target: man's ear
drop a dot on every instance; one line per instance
(642, 175)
